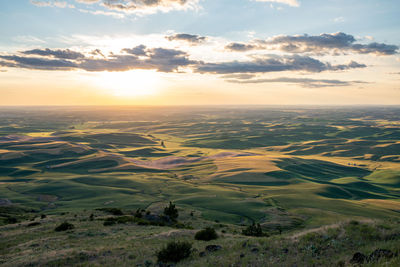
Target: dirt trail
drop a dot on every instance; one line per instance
(174, 233)
(326, 227)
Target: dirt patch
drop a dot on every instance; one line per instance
(47, 198)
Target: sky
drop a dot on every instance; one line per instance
(199, 52)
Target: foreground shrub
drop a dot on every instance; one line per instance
(206, 234)
(174, 252)
(253, 230)
(64, 227)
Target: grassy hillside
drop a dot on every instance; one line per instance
(290, 170)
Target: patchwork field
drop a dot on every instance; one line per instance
(291, 169)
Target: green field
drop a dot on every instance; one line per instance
(286, 168)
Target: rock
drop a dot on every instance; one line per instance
(212, 248)
(358, 258)
(161, 264)
(380, 253)
(202, 254)
(5, 202)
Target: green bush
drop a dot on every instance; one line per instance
(253, 230)
(174, 252)
(206, 234)
(64, 227)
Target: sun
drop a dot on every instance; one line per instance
(129, 83)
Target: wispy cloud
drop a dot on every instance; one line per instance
(123, 7)
(304, 82)
(54, 3)
(293, 3)
(339, 20)
(102, 12)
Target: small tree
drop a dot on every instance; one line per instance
(174, 252)
(171, 211)
(138, 213)
(253, 230)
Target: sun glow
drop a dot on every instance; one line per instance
(129, 83)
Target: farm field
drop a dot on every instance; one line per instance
(291, 170)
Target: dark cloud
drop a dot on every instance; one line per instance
(64, 54)
(241, 47)
(37, 63)
(97, 52)
(139, 50)
(304, 82)
(140, 57)
(309, 43)
(375, 48)
(193, 39)
(165, 60)
(326, 43)
(274, 63)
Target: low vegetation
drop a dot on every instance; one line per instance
(65, 226)
(175, 251)
(254, 230)
(171, 211)
(206, 234)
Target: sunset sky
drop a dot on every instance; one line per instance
(199, 52)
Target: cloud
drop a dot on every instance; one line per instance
(144, 6)
(326, 43)
(193, 39)
(28, 39)
(119, 8)
(304, 82)
(375, 48)
(239, 76)
(102, 12)
(293, 3)
(63, 54)
(163, 60)
(140, 57)
(54, 3)
(139, 50)
(37, 63)
(274, 63)
(240, 47)
(339, 20)
(87, 1)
